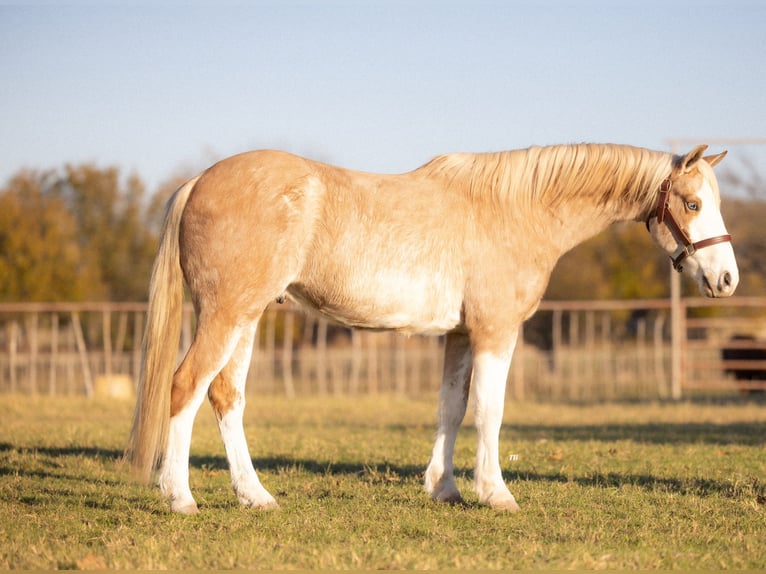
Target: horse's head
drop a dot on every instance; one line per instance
(687, 224)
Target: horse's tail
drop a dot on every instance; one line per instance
(160, 344)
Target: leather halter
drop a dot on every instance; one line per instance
(664, 215)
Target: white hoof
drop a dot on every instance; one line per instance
(255, 496)
(180, 507)
(497, 496)
(259, 504)
(504, 503)
(267, 505)
(448, 493)
(443, 489)
(181, 499)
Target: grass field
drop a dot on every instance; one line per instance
(601, 486)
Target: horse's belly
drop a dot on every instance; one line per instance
(385, 301)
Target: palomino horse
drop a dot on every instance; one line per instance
(464, 246)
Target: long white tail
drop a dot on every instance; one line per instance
(160, 344)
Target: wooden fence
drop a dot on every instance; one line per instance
(592, 350)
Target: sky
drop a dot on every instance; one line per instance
(161, 89)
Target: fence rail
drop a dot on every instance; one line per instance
(571, 350)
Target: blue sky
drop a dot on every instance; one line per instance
(162, 88)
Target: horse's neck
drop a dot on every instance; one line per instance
(560, 195)
(574, 220)
(598, 195)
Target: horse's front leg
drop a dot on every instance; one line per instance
(489, 377)
(456, 382)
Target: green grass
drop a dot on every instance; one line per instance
(601, 486)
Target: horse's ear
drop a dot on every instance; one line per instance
(714, 160)
(686, 162)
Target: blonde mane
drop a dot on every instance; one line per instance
(602, 173)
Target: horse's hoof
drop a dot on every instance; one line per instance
(271, 505)
(444, 490)
(262, 504)
(185, 509)
(505, 503)
(448, 497)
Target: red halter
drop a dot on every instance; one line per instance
(664, 215)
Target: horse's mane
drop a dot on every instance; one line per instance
(602, 173)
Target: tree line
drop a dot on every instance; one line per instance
(82, 233)
(88, 233)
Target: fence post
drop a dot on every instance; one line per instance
(122, 332)
(556, 352)
(13, 333)
(322, 355)
(287, 353)
(659, 358)
(106, 328)
(518, 367)
(356, 361)
(372, 364)
(675, 336)
(82, 351)
(138, 334)
(32, 323)
(54, 352)
(400, 367)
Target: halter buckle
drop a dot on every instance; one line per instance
(662, 203)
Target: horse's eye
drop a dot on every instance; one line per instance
(692, 205)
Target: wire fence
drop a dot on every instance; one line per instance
(575, 350)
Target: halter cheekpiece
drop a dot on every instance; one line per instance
(664, 215)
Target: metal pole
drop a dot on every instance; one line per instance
(676, 360)
(677, 336)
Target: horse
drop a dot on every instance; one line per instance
(462, 246)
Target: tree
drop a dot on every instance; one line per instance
(620, 263)
(76, 234)
(112, 228)
(745, 220)
(40, 256)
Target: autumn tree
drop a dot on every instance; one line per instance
(112, 228)
(100, 223)
(745, 220)
(40, 255)
(619, 263)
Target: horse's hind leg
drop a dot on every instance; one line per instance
(209, 352)
(227, 396)
(453, 398)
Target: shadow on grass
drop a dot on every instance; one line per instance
(56, 451)
(387, 472)
(380, 472)
(374, 472)
(694, 486)
(279, 464)
(743, 433)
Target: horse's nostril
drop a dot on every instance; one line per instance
(726, 279)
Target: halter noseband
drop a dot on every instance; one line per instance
(664, 215)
